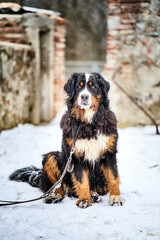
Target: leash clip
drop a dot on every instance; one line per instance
(70, 168)
(70, 165)
(72, 150)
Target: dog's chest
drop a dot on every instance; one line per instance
(93, 148)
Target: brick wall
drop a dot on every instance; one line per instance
(59, 62)
(133, 43)
(11, 29)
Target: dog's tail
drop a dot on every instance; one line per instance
(31, 174)
(34, 176)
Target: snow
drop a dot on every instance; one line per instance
(139, 169)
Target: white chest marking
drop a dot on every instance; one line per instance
(92, 148)
(89, 115)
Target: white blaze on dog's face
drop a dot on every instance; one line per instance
(84, 98)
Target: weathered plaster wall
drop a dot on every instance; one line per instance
(16, 84)
(133, 43)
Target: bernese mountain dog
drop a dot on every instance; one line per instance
(95, 170)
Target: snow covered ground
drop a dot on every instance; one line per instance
(139, 169)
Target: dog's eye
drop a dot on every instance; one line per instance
(81, 84)
(91, 84)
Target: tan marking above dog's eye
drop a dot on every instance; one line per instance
(81, 84)
(90, 83)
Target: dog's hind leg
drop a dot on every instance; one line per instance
(53, 173)
(95, 198)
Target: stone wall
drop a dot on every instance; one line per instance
(44, 35)
(133, 43)
(16, 84)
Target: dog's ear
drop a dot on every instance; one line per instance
(105, 86)
(69, 86)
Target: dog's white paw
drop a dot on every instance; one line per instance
(84, 203)
(116, 199)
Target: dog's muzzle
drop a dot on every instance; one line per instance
(84, 99)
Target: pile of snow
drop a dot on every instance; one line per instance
(139, 169)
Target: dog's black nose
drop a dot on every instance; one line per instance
(84, 97)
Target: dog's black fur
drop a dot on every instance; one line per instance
(87, 93)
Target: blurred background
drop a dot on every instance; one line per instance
(43, 42)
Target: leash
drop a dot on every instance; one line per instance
(68, 168)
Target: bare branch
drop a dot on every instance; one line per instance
(133, 100)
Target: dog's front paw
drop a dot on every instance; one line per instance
(84, 203)
(54, 198)
(116, 199)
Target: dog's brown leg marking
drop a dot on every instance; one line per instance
(112, 181)
(82, 190)
(53, 173)
(113, 186)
